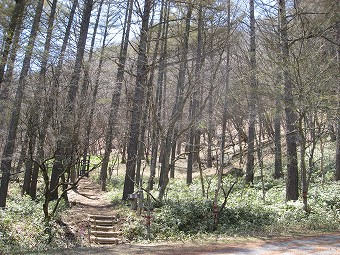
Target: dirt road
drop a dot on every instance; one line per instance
(90, 199)
(317, 245)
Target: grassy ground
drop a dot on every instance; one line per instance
(186, 213)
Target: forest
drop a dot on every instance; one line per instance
(220, 112)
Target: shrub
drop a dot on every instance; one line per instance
(22, 226)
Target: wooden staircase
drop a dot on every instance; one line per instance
(102, 230)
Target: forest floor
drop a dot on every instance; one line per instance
(89, 199)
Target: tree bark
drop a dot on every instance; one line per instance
(277, 131)
(64, 154)
(337, 153)
(50, 102)
(138, 99)
(302, 136)
(14, 24)
(224, 121)
(84, 95)
(210, 127)
(177, 109)
(86, 78)
(34, 110)
(115, 101)
(94, 95)
(156, 141)
(193, 135)
(6, 161)
(8, 75)
(147, 108)
(292, 192)
(252, 99)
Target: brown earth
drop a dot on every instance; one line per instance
(317, 245)
(89, 199)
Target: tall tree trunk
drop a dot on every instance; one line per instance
(277, 131)
(210, 127)
(146, 111)
(193, 135)
(337, 153)
(34, 110)
(50, 102)
(260, 153)
(224, 120)
(6, 161)
(14, 24)
(138, 99)
(173, 154)
(115, 101)
(86, 78)
(252, 98)
(65, 150)
(94, 94)
(23, 153)
(175, 143)
(8, 75)
(302, 136)
(84, 95)
(292, 192)
(177, 109)
(159, 93)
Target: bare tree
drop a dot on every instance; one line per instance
(66, 143)
(96, 87)
(181, 98)
(158, 104)
(115, 100)
(277, 129)
(6, 161)
(138, 100)
(16, 19)
(49, 103)
(292, 191)
(252, 98)
(194, 133)
(224, 117)
(35, 108)
(337, 153)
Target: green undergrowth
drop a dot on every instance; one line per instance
(186, 214)
(22, 226)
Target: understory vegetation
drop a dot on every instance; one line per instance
(189, 215)
(22, 226)
(186, 213)
(237, 102)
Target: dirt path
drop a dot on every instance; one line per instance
(316, 245)
(89, 199)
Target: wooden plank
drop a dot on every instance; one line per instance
(101, 228)
(102, 217)
(102, 222)
(98, 233)
(105, 240)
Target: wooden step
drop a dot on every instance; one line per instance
(102, 222)
(102, 217)
(105, 240)
(104, 233)
(102, 228)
